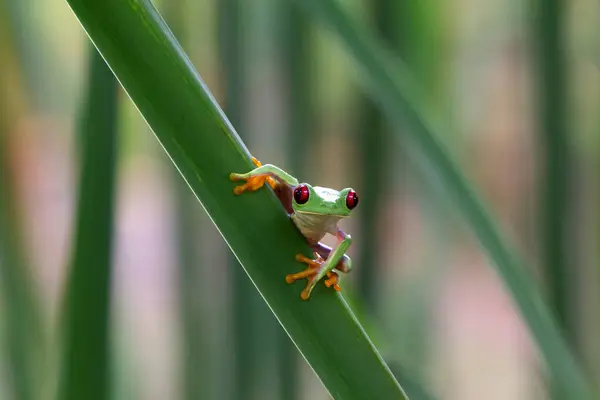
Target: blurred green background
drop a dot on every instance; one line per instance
(95, 220)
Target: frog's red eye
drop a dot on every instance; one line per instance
(301, 194)
(351, 200)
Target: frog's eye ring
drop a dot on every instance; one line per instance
(351, 200)
(301, 194)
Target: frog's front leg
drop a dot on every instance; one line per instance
(256, 178)
(344, 265)
(319, 268)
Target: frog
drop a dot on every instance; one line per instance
(316, 212)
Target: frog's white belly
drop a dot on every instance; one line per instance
(315, 226)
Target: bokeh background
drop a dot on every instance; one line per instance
(185, 320)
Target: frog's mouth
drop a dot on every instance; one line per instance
(324, 213)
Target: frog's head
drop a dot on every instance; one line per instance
(323, 201)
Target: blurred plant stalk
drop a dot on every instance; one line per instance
(373, 137)
(22, 315)
(561, 269)
(196, 382)
(86, 357)
(554, 140)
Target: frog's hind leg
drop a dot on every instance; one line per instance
(313, 274)
(313, 268)
(344, 265)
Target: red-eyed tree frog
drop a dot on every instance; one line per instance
(315, 211)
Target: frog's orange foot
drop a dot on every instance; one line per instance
(269, 180)
(253, 183)
(332, 280)
(311, 273)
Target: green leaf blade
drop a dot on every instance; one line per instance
(177, 105)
